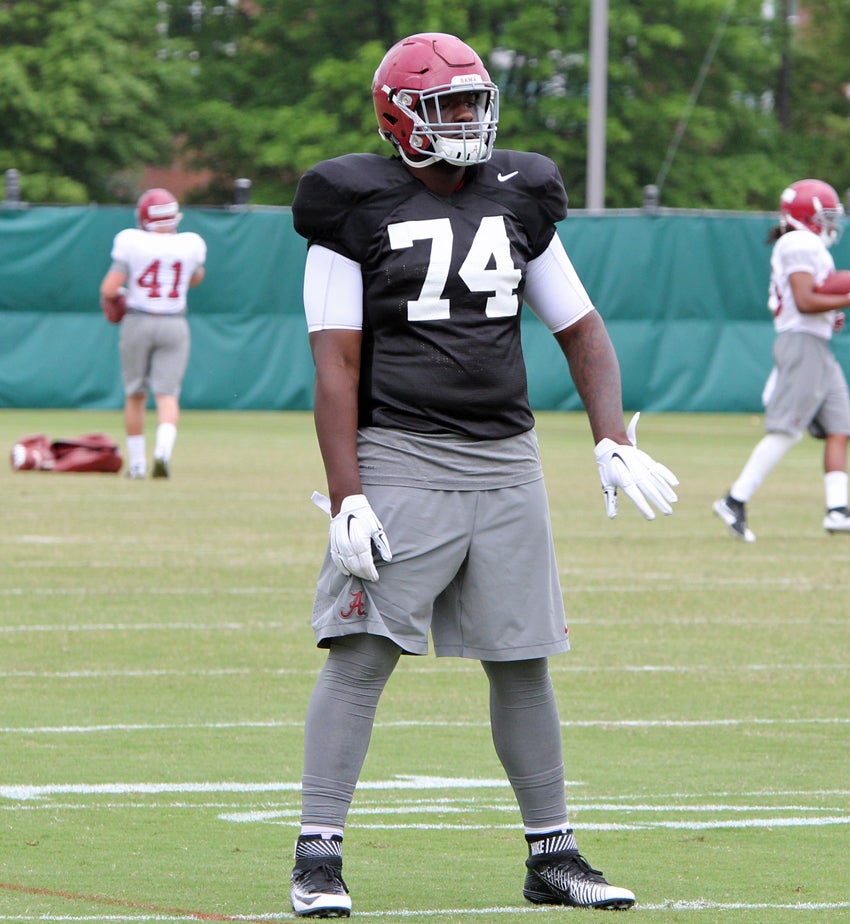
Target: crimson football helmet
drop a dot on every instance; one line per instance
(814, 206)
(410, 89)
(157, 209)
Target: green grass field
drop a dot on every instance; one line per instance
(157, 660)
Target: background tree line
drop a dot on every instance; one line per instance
(720, 102)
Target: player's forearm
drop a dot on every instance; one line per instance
(595, 372)
(335, 415)
(336, 354)
(111, 284)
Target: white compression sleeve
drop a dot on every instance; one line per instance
(333, 291)
(553, 289)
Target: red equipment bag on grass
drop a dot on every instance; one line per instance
(92, 452)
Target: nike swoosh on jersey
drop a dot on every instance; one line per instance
(503, 177)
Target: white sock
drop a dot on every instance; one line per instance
(136, 452)
(538, 832)
(166, 434)
(763, 458)
(326, 831)
(835, 486)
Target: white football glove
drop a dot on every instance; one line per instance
(642, 478)
(352, 532)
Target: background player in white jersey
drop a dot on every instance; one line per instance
(157, 265)
(807, 389)
(416, 272)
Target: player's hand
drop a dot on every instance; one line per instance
(838, 326)
(353, 531)
(114, 308)
(645, 481)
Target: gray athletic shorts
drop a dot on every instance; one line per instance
(154, 352)
(476, 568)
(811, 390)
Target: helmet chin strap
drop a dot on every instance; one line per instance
(460, 153)
(447, 157)
(426, 161)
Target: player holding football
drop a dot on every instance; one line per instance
(807, 389)
(157, 265)
(417, 268)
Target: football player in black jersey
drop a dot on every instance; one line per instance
(417, 269)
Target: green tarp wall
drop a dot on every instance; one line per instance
(683, 295)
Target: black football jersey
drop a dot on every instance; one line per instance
(443, 281)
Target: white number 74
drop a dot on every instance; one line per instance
(488, 266)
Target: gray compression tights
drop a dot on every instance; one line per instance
(523, 717)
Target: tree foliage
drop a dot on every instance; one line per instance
(83, 95)
(715, 102)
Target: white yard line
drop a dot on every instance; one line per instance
(590, 723)
(818, 815)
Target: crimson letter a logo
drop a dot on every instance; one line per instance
(356, 607)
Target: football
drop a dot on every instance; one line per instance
(32, 453)
(836, 283)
